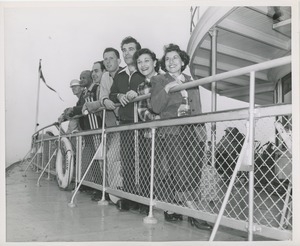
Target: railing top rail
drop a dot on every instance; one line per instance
(45, 127)
(214, 78)
(219, 116)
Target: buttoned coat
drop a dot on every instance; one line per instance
(166, 104)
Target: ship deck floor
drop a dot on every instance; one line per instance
(41, 214)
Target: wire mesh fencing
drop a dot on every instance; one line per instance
(89, 146)
(193, 166)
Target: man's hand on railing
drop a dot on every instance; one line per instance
(123, 99)
(61, 118)
(109, 104)
(91, 107)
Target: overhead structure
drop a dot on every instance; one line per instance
(244, 36)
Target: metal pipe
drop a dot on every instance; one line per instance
(103, 143)
(213, 90)
(233, 73)
(251, 155)
(71, 203)
(49, 153)
(30, 162)
(230, 186)
(38, 181)
(77, 161)
(25, 157)
(150, 219)
(136, 147)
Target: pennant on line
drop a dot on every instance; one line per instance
(42, 77)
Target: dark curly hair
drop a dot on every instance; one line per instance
(130, 39)
(140, 52)
(183, 55)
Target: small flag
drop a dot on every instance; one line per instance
(42, 77)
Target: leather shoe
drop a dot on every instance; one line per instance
(172, 217)
(122, 205)
(200, 224)
(144, 209)
(134, 205)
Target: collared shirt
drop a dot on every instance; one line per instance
(90, 94)
(144, 106)
(124, 82)
(105, 85)
(126, 70)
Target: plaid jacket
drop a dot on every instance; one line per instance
(144, 107)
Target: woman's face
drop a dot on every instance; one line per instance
(146, 65)
(173, 63)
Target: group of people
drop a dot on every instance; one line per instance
(108, 84)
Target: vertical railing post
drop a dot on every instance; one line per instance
(251, 154)
(150, 219)
(48, 177)
(42, 154)
(136, 149)
(103, 154)
(79, 159)
(213, 34)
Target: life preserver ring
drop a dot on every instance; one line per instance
(64, 163)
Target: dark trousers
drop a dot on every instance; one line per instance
(127, 153)
(144, 163)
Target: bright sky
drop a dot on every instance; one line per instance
(68, 39)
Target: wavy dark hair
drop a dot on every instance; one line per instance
(183, 55)
(140, 52)
(130, 39)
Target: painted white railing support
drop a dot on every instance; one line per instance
(136, 149)
(99, 152)
(230, 186)
(49, 154)
(38, 150)
(103, 202)
(251, 155)
(71, 203)
(150, 219)
(48, 164)
(213, 33)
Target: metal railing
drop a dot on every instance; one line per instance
(245, 182)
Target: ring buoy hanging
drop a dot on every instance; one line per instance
(64, 163)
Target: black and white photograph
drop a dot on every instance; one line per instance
(150, 122)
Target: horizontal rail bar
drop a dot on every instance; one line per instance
(237, 114)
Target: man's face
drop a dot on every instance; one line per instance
(96, 73)
(128, 51)
(85, 79)
(111, 61)
(77, 89)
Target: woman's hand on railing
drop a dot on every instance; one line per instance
(131, 95)
(170, 85)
